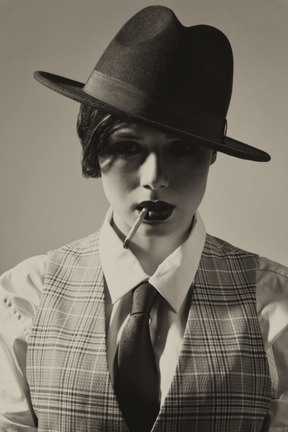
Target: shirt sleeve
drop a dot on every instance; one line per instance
(272, 308)
(20, 292)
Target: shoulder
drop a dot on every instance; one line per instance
(268, 267)
(272, 309)
(25, 279)
(20, 292)
(272, 285)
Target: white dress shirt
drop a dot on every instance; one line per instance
(20, 293)
(172, 279)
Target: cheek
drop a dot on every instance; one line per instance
(190, 185)
(117, 187)
(194, 191)
(192, 177)
(117, 176)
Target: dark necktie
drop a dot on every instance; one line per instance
(137, 386)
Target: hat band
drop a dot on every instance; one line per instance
(136, 102)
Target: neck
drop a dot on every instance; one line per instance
(152, 251)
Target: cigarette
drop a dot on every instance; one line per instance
(135, 227)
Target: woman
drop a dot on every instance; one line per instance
(80, 353)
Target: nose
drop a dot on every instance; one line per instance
(153, 172)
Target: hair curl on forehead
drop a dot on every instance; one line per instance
(93, 127)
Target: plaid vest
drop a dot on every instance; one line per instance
(221, 382)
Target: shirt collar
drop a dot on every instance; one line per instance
(172, 278)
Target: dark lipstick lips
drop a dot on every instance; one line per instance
(158, 210)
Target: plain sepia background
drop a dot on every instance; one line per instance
(45, 201)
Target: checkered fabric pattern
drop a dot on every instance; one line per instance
(221, 382)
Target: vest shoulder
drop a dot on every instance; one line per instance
(85, 245)
(219, 246)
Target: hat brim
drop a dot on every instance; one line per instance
(74, 90)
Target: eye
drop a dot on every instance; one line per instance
(183, 148)
(124, 148)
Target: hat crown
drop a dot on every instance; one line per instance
(140, 53)
(184, 70)
(152, 21)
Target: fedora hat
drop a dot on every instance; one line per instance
(168, 76)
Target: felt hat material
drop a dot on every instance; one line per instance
(167, 76)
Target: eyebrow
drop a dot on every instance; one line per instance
(122, 132)
(125, 135)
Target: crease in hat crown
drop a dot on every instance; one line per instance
(166, 75)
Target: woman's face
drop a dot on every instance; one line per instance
(145, 167)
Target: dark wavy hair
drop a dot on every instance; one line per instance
(93, 127)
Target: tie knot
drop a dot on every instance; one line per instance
(143, 298)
